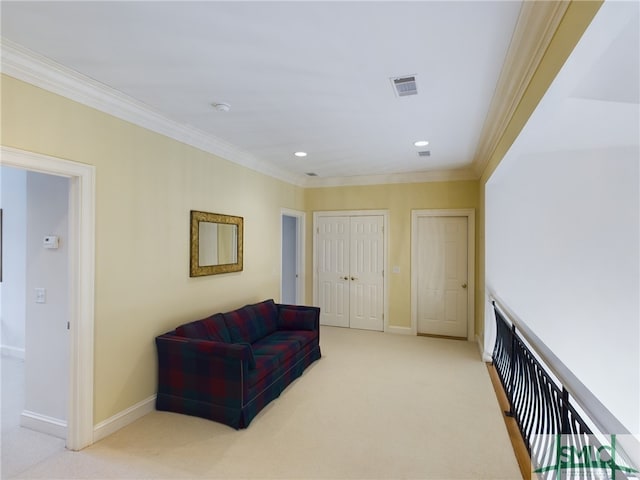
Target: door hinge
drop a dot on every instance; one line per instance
(68, 325)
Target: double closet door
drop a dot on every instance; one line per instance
(350, 271)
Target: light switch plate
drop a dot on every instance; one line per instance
(41, 295)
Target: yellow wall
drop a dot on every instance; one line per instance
(145, 186)
(399, 200)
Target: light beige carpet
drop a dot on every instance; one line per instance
(376, 406)
(20, 448)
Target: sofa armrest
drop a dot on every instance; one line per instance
(205, 348)
(237, 351)
(298, 317)
(202, 370)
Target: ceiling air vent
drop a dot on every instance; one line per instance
(424, 153)
(405, 86)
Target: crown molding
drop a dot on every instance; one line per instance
(415, 177)
(28, 66)
(35, 69)
(536, 25)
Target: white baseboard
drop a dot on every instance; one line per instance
(13, 352)
(44, 424)
(124, 418)
(486, 357)
(399, 330)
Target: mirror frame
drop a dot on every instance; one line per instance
(197, 270)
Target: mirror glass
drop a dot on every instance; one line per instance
(216, 243)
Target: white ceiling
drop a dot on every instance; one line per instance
(594, 101)
(311, 76)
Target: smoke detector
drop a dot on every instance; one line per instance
(405, 85)
(221, 107)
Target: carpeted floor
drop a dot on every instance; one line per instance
(20, 448)
(376, 406)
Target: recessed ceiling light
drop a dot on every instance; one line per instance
(300, 154)
(421, 143)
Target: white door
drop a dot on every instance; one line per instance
(366, 273)
(333, 270)
(350, 253)
(442, 275)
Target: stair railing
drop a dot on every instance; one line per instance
(543, 395)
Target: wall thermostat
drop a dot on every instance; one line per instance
(50, 241)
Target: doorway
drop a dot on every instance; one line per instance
(35, 339)
(442, 279)
(349, 266)
(292, 283)
(81, 245)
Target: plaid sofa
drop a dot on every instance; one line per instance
(229, 366)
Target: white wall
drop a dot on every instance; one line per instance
(562, 250)
(13, 201)
(563, 209)
(47, 337)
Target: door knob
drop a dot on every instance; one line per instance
(354, 278)
(344, 278)
(464, 285)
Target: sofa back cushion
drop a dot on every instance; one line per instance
(252, 322)
(296, 318)
(212, 328)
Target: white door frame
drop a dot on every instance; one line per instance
(300, 257)
(353, 213)
(82, 274)
(471, 250)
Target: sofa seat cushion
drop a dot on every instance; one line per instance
(265, 365)
(283, 350)
(212, 328)
(284, 374)
(252, 322)
(303, 337)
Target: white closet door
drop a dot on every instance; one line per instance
(333, 270)
(350, 257)
(366, 273)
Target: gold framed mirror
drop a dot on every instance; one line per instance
(216, 243)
